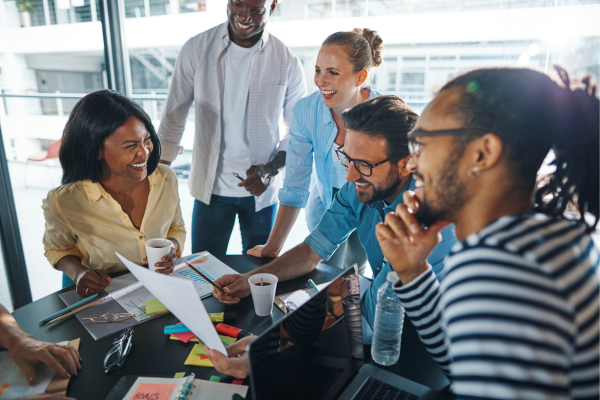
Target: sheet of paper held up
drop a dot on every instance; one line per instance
(13, 383)
(180, 297)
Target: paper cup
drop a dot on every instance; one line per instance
(155, 250)
(263, 296)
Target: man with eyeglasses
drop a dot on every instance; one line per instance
(376, 156)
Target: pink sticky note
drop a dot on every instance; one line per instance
(154, 391)
(184, 336)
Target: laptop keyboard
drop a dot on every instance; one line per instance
(374, 389)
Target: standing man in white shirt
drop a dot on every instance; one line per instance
(241, 78)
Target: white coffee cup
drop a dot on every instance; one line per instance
(263, 296)
(155, 250)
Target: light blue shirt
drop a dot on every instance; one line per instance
(345, 215)
(308, 162)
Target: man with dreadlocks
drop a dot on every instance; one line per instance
(515, 315)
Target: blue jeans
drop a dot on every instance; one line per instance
(212, 224)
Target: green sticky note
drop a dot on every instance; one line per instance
(215, 378)
(154, 306)
(228, 340)
(199, 348)
(179, 375)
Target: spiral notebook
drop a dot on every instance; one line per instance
(168, 389)
(127, 295)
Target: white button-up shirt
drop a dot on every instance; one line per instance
(277, 83)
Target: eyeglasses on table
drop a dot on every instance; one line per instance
(108, 317)
(117, 355)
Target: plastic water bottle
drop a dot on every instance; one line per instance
(389, 319)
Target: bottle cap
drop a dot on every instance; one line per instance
(392, 277)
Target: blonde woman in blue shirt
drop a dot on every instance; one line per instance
(342, 75)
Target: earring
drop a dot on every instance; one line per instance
(473, 172)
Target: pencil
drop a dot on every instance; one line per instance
(66, 310)
(76, 311)
(205, 278)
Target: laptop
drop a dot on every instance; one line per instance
(295, 358)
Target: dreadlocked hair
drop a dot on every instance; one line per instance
(532, 115)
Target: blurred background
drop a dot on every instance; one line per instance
(52, 53)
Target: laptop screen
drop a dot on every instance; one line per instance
(285, 357)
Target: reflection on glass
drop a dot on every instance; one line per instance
(274, 356)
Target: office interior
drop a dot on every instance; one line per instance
(53, 52)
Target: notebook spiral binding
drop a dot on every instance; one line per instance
(186, 388)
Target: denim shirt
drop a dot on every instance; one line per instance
(309, 184)
(345, 215)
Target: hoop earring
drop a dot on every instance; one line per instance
(473, 172)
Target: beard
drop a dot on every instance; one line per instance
(382, 192)
(448, 195)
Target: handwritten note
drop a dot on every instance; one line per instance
(153, 391)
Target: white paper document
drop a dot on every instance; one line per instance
(180, 297)
(132, 298)
(13, 384)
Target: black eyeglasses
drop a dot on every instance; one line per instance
(117, 355)
(413, 146)
(364, 168)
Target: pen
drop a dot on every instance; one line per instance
(310, 281)
(66, 310)
(207, 279)
(76, 311)
(238, 176)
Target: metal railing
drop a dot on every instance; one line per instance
(151, 103)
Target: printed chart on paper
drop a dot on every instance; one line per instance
(206, 263)
(131, 295)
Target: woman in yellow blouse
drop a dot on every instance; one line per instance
(115, 196)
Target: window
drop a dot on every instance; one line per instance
(426, 43)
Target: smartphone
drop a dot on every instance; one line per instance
(238, 176)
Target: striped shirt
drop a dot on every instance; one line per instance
(276, 84)
(516, 313)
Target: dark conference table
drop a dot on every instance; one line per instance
(154, 354)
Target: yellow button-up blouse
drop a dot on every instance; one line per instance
(83, 220)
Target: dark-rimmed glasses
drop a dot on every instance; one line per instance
(413, 146)
(364, 168)
(117, 355)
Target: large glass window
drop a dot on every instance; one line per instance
(53, 49)
(51, 55)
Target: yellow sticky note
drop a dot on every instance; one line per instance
(199, 361)
(154, 306)
(179, 375)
